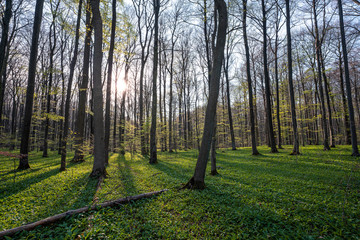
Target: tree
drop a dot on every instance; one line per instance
(68, 91)
(144, 40)
(52, 46)
(319, 75)
(197, 181)
(267, 81)
(99, 148)
(3, 45)
(248, 76)
(153, 150)
(24, 147)
(108, 87)
(290, 77)
(83, 87)
(229, 48)
(355, 150)
(173, 40)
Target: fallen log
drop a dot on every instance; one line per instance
(52, 219)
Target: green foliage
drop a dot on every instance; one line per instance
(277, 196)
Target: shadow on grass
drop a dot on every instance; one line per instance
(27, 181)
(173, 170)
(86, 194)
(126, 174)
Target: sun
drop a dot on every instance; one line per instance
(121, 85)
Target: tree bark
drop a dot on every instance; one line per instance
(321, 91)
(296, 150)
(355, 150)
(277, 24)
(248, 76)
(153, 149)
(108, 87)
(226, 72)
(198, 179)
(3, 45)
(83, 87)
(52, 46)
(99, 145)
(267, 83)
(68, 91)
(344, 104)
(24, 147)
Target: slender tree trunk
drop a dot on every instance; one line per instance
(226, 71)
(24, 147)
(108, 87)
(248, 76)
(213, 151)
(3, 45)
(348, 86)
(296, 150)
(321, 91)
(68, 91)
(80, 118)
(62, 105)
(327, 95)
(115, 112)
(267, 84)
(52, 46)
(99, 145)
(122, 112)
(343, 98)
(197, 181)
(171, 147)
(153, 149)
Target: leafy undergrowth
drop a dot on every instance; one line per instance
(277, 196)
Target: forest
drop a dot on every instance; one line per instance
(113, 113)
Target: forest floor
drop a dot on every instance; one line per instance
(277, 196)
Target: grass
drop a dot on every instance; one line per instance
(271, 196)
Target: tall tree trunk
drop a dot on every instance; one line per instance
(99, 145)
(68, 91)
(355, 150)
(115, 111)
(52, 46)
(213, 151)
(164, 106)
(226, 71)
(108, 87)
(296, 150)
(276, 50)
(267, 83)
(321, 91)
(80, 118)
(248, 76)
(197, 181)
(24, 147)
(173, 41)
(210, 68)
(3, 45)
(122, 112)
(153, 150)
(343, 98)
(327, 95)
(62, 104)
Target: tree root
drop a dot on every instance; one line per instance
(194, 185)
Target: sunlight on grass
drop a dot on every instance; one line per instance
(276, 196)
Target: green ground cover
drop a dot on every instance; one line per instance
(271, 196)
